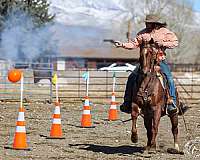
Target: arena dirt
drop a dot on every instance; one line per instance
(108, 140)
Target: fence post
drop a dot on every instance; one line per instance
(51, 87)
(106, 84)
(79, 76)
(192, 84)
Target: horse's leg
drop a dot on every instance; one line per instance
(148, 126)
(134, 115)
(155, 124)
(174, 122)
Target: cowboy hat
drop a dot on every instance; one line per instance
(154, 18)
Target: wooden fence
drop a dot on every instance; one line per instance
(72, 86)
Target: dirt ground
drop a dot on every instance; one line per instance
(108, 140)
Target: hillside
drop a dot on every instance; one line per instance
(90, 21)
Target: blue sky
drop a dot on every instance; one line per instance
(196, 5)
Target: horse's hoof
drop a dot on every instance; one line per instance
(147, 148)
(134, 137)
(146, 152)
(174, 151)
(152, 151)
(176, 146)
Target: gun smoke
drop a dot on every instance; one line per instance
(22, 41)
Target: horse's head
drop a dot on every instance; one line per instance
(146, 58)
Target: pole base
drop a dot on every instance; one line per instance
(10, 147)
(48, 137)
(88, 127)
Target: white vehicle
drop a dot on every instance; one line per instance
(119, 68)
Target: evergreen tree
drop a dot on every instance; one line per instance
(37, 9)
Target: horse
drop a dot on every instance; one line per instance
(150, 98)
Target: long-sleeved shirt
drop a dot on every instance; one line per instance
(163, 37)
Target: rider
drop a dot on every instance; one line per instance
(164, 39)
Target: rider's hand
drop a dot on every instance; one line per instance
(118, 44)
(157, 68)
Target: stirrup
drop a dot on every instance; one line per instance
(175, 107)
(125, 108)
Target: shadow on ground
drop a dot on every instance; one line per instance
(109, 149)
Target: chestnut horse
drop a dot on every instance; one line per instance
(151, 98)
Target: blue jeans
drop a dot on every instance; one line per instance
(166, 70)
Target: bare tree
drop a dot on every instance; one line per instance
(178, 15)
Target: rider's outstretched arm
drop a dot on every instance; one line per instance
(132, 44)
(135, 43)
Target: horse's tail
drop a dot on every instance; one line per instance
(182, 108)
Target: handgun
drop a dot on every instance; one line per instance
(109, 40)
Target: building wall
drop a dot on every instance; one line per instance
(64, 63)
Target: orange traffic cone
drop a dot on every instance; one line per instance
(56, 130)
(20, 132)
(113, 109)
(86, 116)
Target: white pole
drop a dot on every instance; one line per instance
(114, 81)
(22, 89)
(87, 84)
(57, 88)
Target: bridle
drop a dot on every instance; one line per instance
(147, 63)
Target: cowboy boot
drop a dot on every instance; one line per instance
(126, 106)
(171, 107)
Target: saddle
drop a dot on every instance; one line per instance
(149, 75)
